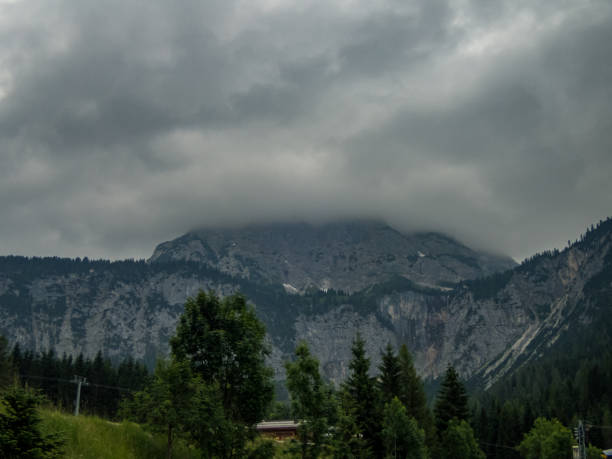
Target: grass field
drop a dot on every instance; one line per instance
(90, 437)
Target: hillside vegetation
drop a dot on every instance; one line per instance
(92, 437)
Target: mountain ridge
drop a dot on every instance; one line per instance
(485, 327)
(345, 255)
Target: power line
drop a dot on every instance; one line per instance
(104, 386)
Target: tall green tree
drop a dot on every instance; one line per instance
(458, 441)
(389, 375)
(548, 439)
(402, 437)
(363, 397)
(411, 390)
(348, 441)
(223, 340)
(311, 401)
(511, 429)
(20, 433)
(451, 402)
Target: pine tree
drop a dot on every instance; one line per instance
(20, 435)
(411, 392)
(310, 401)
(363, 397)
(348, 442)
(451, 402)
(389, 377)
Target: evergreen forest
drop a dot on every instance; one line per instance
(215, 386)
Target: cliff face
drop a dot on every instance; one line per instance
(484, 327)
(98, 308)
(346, 256)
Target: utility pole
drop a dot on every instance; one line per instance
(581, 437)
(79, 381)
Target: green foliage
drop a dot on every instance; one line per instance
(89, 437)
(411, 393)
(569, 383)
(223, 341)
(548, 439)
(20, 431)
(52, 375)
(175, 402)
(451, 402)
(348, 441)
(402, 436)
(389, 376)
(592, 452)
(311, 401)
(458, 441)
(362, 397)
(279, 411)
(260, 449)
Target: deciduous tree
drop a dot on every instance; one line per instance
(223, 341)
(458, 441)
(548, 439)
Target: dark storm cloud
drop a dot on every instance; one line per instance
(399, 38)
(126, 123)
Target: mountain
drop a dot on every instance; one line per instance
(348, 256)
(485, 326)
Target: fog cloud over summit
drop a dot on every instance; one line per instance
(126, 123)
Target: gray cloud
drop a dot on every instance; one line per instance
(127, 123)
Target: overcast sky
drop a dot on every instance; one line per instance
(126, 123)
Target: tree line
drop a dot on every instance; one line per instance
(377, 416)
(215, 386)
(106, 384)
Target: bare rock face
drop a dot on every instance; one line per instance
(330, 337)
(346, 256)
(485, 327)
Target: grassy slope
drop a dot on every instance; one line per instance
(95, 438)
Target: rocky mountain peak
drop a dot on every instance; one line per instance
(347, 255)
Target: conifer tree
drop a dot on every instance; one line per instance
(310, 401)
(411, 390)
(389, 377)
(20, 435)
(363, 397)
(348, 442)
(451, 402)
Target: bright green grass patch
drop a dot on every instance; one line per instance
(91, 437)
